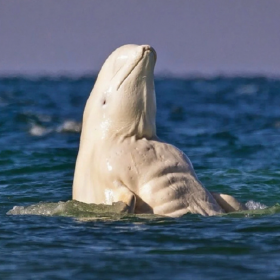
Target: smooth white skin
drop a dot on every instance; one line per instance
(120, 156)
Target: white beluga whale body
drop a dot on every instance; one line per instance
(120, 156)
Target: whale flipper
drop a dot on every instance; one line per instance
(228, 202)
(123, 194)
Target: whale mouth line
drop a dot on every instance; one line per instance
(135, 65)
(151, 49)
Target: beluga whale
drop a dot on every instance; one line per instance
(120, 156)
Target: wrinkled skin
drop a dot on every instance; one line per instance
(120, 156)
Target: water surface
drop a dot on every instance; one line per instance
(229, 128)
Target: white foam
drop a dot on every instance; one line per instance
(247, 90)
(38, 130)
(70, 126)
(253, 205)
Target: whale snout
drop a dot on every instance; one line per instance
(150, 49)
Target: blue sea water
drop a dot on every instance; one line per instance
(229, 128)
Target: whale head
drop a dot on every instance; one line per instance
(122, 102)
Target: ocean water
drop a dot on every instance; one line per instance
(229, 128)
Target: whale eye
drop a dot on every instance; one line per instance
(103, 98)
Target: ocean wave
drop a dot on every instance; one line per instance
(67, 126)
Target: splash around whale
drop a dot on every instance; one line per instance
(120, 156)
(116, 211)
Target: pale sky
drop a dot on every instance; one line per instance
(190, 36)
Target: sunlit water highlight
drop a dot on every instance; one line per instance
(229, 127)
